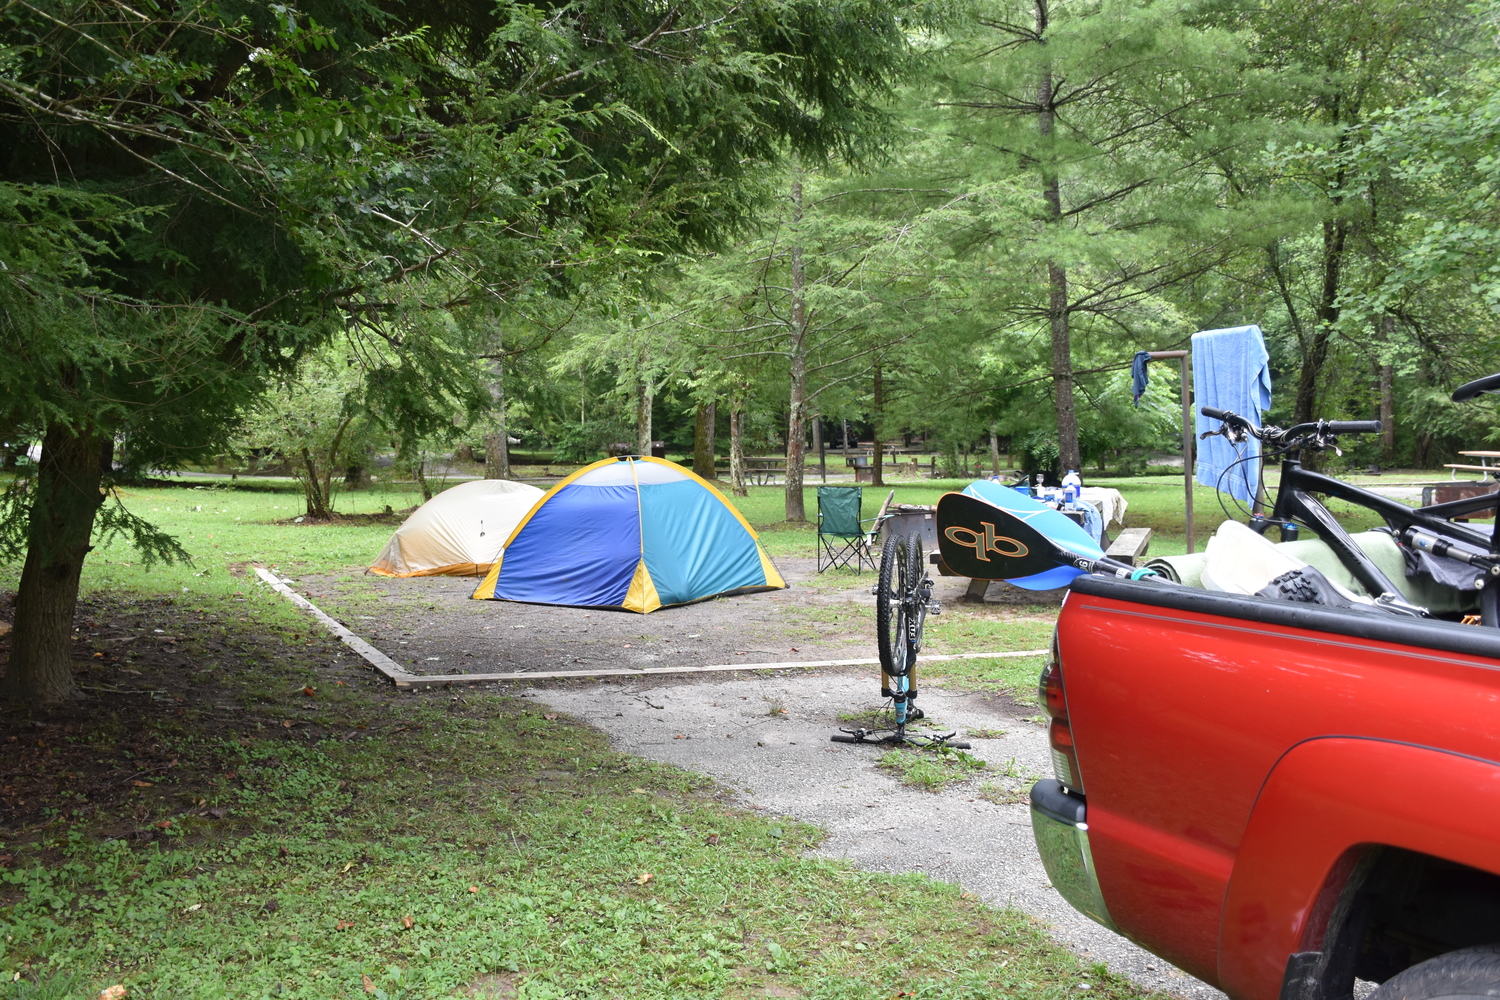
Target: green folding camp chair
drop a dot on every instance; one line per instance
(842, 537)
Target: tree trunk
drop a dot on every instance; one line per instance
(420, 472)
(796, 427)
(67, 498)
(333, 457)
(1387, 396)
(737, 448)
(497, 441)
(994, 450)
(703, 441)
(819, 447)
(1068, 455)
(1335, 233)
(312, 488)
(643, 393)
(877, 461)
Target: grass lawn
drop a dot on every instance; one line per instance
(242, 811)
(238, 837)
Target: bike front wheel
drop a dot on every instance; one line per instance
(890, 594)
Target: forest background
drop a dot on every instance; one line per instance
(338, 230)
(1041, 190)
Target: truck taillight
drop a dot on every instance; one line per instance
(1054, 701)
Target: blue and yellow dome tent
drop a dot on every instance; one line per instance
(632, 533)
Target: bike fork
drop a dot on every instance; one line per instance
(900, 700)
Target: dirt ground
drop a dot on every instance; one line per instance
(151, 666)
(430, 626)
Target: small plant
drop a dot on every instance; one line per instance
(987, 734)
(1002, 795)
(870, 717)
(781, 960)
(994, 792)
(931, 770)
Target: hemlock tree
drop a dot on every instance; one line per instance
(1084, 128)
(195, 196)
(1336, 67)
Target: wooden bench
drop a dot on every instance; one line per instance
(1488, 470)
(1129, 545)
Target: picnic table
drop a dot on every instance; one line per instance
(763, 471)
(1486, 464)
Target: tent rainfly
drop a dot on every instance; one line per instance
(631, 533)
(459, 532)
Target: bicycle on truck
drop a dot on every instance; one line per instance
(1424, 529)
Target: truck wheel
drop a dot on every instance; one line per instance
(1468, 974)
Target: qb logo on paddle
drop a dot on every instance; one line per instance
(986, 541)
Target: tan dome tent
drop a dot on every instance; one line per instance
(459, 532)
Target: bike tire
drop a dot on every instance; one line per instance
(916, 608)
(888, 594)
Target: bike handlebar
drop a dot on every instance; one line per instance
(1278, 435)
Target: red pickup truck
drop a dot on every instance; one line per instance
(1279, 798)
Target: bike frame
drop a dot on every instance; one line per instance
(1295, 502)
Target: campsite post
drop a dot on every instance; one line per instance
(1187, 432)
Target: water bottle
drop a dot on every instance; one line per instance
(1070, 494)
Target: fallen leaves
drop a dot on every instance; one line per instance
(286, 723)
(369, 984)
(141, 784)
(343, 925)
(712, 840)
(550, 716)
(643, 878)
(310, 691)
(115, 992)
(473, 888)
(407, 921)
(164, 824)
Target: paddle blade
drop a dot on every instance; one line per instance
(985, 542)
(979, 540)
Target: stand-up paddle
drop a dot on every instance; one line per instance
(985, 541)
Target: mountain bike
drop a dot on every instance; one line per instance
(1425, 528)
(903, 600)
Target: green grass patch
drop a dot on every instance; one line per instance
(979, 629)
(232, 836)
(1014, 677)
(930, 770)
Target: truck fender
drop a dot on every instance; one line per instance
(1324, 800)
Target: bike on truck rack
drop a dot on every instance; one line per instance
(1426, 528)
